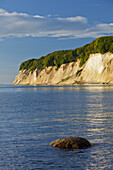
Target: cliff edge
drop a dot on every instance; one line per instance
(92, 63)
(97, 69)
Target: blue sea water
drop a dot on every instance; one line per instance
(33, 116)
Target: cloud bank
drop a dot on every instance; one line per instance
(13, 24)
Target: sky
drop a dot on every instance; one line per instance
(34, 28)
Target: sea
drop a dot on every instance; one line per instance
(33, 116)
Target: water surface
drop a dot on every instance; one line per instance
(33, 116)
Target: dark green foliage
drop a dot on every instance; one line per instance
(67, 78)
(57, 58)
(78, 73)
(27, 64)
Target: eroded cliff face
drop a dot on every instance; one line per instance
(98, 69)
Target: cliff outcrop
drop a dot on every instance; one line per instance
(97, 69)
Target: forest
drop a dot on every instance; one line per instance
(57, 58)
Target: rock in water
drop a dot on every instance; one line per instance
(71, 143)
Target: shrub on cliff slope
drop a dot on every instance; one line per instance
(57, 58)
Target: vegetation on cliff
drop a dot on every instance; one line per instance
(57, 58)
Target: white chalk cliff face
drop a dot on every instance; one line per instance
(97, 69)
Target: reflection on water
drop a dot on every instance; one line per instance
(74, 87)
(33, 116)
(92, 87)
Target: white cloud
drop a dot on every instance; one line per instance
(111, 24)
(5, 13)
(13, 24)
(38, 16)
(49, 15)
(74, 19)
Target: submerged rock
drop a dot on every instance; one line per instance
(71, 143)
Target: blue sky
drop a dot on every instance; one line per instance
(34, 28)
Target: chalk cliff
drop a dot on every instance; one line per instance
(97, 69)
